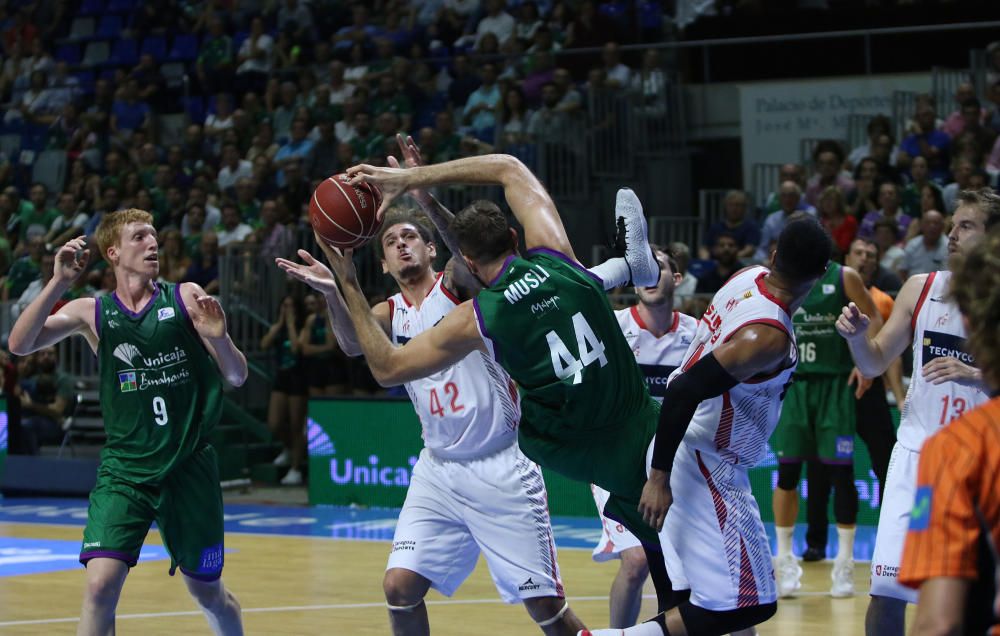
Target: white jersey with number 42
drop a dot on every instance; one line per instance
(937, 332)
(470, 409)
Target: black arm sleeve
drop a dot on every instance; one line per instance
(706, 379)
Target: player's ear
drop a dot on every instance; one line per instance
(513, 239)
(113, 254)
(385, 268)
(432, 250)
(677, 279)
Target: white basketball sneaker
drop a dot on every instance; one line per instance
(789, 575)
(842, 576)
(642, 263)
(292, 478)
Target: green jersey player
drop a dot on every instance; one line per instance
(548, 322)
(162, 350)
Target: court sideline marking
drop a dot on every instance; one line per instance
(307, 608)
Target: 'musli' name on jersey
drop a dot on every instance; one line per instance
(523, 286)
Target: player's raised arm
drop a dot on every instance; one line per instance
(318, 276)
(873, 353)
(453, 338)
(35, 328)
(457, 276)
(754, 350)
(209, 321)
(528, 199)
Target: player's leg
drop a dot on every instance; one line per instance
(835, 432)
(277, 416)
(639, 266)
(730, 574)
(297, 405)
(887, 609)
(793, 441)
(118, 518)
(105, 578)
(885, 616)
(817, 502)
(432, 546)
(553, 615)
(874, 425)
(626, 589)
(617, 543)
(219, 605)
(513, 530)
(404, 597)
(190, 519)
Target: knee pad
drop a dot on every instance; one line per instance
(788, 475)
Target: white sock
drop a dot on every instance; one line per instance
(642, 629)
(784, 539)
(845, 543)
(614, 272)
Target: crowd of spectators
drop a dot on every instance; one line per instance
(275, 95)
(897, 196)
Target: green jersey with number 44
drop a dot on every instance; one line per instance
(161, 391)
(584, 401)
(821, 349)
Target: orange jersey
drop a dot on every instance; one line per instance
(883, 302)
(959, 470)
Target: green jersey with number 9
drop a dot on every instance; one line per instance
(585, 409)
(161, 391)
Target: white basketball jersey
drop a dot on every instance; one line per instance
(736, 425)
(937, 332)
(471, 408)
(657, 357)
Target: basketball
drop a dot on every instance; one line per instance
(344, 215)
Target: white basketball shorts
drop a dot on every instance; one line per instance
(495, 505)
(716, 533)
(893, 524)
(615, 539)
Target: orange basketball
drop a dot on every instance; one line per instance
(344, 215)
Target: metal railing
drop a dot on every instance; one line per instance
(944, 83)
(664, 230)
(904, 104)
(765, 181)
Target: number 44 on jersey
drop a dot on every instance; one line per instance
(591, 350)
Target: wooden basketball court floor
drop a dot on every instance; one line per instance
(320, 584)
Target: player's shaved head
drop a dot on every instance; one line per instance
(803, 250)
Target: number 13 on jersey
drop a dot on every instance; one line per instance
(591, 350)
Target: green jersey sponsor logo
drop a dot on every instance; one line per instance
(126, 382)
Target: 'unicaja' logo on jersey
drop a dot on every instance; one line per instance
(126, 352)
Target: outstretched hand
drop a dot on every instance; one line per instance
(71, 260)
(391, 181)
(409, 150)
(852, 323)
(310, 271)
(863, 383)
(209, 320)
